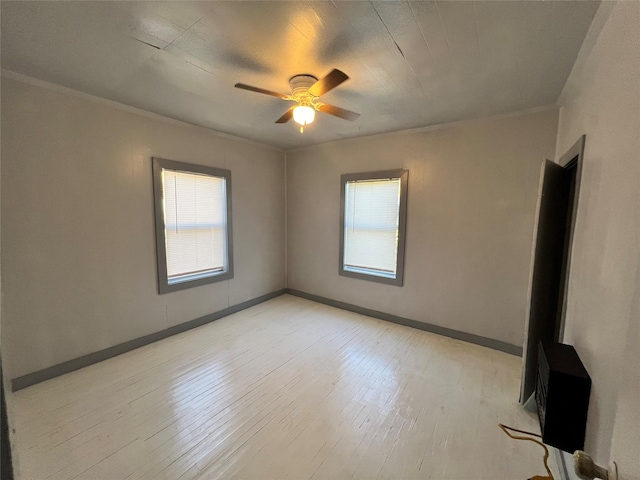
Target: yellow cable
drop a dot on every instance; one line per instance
(517, 437)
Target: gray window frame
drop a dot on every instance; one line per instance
(161, 249)
(403, 175)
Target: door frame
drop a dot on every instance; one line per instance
(573, 158)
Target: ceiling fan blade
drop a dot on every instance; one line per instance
(288, 115)
(328, 83)
(261, 90)
(339, 112)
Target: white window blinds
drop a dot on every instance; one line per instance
(372, 210)
(195, 224)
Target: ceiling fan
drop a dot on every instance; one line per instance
(305, 90)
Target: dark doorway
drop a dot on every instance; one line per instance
(555, 218)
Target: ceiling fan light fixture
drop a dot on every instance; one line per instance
(305, 90)
(303, 114)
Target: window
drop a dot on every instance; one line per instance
(193, 224)
(373, 219)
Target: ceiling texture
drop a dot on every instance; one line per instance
(411, 64)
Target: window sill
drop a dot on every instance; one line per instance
(371, 275)
(367, 271)
(195, 276)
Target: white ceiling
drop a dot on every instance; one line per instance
(411, 64)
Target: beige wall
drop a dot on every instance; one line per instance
(602, 100)
(472, 195)
(78, 244)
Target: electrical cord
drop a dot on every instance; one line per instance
(506, 429)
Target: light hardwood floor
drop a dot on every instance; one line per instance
(287, 389)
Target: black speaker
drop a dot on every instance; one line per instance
(563, 387)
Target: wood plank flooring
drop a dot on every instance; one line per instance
(289, 389)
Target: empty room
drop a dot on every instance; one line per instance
(325, 239)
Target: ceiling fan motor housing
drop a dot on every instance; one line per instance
(299, 87)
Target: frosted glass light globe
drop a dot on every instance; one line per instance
(304, 115)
